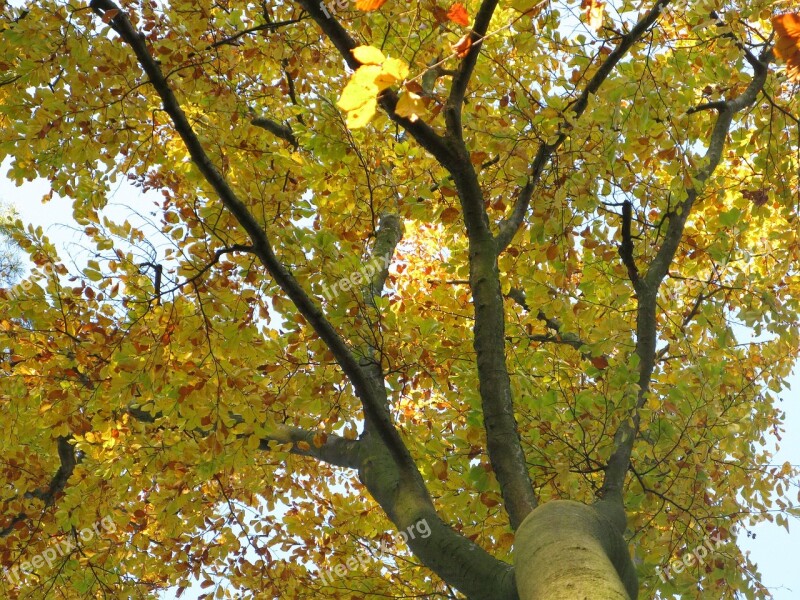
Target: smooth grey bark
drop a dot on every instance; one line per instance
(566, 550)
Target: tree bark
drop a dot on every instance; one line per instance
(565, 550)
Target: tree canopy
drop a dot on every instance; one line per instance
(480, 299)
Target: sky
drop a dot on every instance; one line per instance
(773, 549)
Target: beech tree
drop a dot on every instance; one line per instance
(485, 299)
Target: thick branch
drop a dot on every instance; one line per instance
(647, 290)
(626, 247)
(502, 433)
(344, 43)
(334, 450)
(510, 226)
(280, 130)
(389, 234)
(460, 562)
(461, 79)
(373, 408)
(48, 495)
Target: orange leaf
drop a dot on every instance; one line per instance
(462, 46)
(369, 5)
(787, 46)
(458, 14)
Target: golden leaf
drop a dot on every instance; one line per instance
(594, 13)
(360, 89)
(394, 68)
(368, 55)
(362, 115)
(410, 106)
(369, 5)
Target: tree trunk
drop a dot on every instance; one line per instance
(566, 550)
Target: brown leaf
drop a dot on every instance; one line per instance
(110, 14)
(440, 14)
(449, 214)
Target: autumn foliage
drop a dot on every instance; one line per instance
(585, 220)
(787, 46)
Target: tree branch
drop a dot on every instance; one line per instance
(334, 450)
(280, 130)
(494, 384)
(389, 234)
(510, 226)
(647, 290)
(626, 247)
(458, 89)
(373, 408)
(262, 27)
(423, 133)
(48, 495)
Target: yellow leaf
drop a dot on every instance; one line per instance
(396, 68)
(360, 89)
(594, 13)
(410, 106)
(362, 115)
(368, 55)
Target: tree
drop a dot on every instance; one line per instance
(485, 300)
